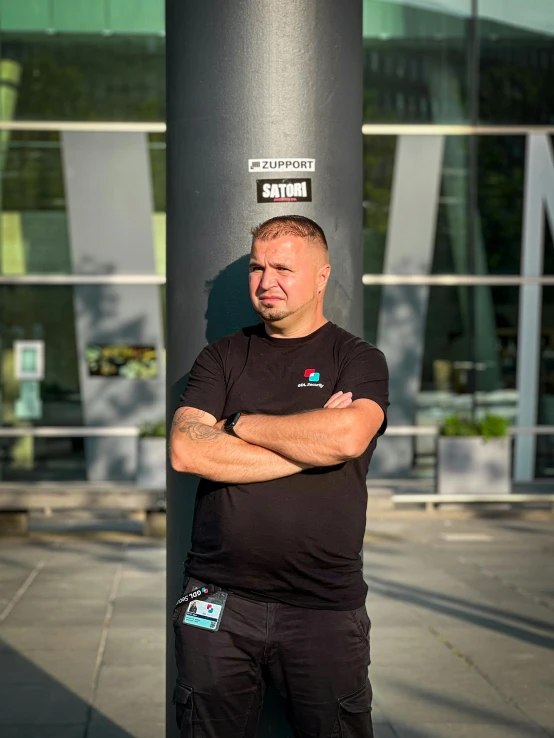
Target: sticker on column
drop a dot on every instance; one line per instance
(281, 165)
(284, 190)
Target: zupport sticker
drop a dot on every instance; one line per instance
(284, 190)
(281, 165)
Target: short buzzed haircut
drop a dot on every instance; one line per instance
(290, 225)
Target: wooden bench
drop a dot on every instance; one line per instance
(18, 499)
(432, 500)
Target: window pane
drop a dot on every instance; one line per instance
(28, 459)
(43, 314)
(496, 330)
(501, 169)
(429, 336)
(546, 380)
(545, 444)
(416, 61)
(82, 77)
(427, 230)
(545, 457)
(118, 171)
(516, 62)
(100, 341)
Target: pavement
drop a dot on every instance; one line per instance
(462, 635)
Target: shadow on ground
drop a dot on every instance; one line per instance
(33, 704)
(492, 618)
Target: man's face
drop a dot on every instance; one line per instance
(286, 276)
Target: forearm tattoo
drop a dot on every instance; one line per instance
(190, 424)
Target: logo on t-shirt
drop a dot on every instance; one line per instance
(313, 379)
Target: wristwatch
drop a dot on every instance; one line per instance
(229, 425)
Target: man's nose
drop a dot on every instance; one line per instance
(268, 279)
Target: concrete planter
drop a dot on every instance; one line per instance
(151, 463)
(471, 465)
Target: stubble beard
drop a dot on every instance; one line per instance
(273, 314)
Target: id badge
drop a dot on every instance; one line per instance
(207, 612)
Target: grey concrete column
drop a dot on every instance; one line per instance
(250, 80)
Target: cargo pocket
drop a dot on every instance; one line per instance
(354, 715)
(362, 622)
(183, 701)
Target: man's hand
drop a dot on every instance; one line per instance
(339, 400)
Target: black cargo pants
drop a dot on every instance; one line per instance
(318, 660)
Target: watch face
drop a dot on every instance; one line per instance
(232, 421)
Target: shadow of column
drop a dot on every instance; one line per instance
(34, 704)
(228, 310)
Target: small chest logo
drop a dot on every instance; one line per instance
(313, 379)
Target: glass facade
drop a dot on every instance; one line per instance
(464, 205)
(69, 77)
(417, 61)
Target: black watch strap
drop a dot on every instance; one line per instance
(229, 425)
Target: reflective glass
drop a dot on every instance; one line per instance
(416, 61)
(89, 335)
(434, 171)
(504, 193)
(35, 233)
(378, 172)
(45, 314)
(83, 77)
(427, 231)
(546, 378)
(516, 57)
(28, 459)
(443, 359)
(545, 443)
(496, 343)
(544, 468)
(501, 169)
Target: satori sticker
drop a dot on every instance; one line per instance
(281, 165)
(284, 190)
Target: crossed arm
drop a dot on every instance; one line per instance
(270, 447)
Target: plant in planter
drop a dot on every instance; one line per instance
(474, 457)
(152, 456)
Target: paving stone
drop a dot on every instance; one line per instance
(25, 638)
(139, 612)
(132, 697)
(445, 691)
(44, 613)
(68, 588)
(474, 730)
(135, 646)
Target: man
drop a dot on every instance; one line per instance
(280, 421)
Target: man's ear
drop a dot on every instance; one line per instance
(323, 277)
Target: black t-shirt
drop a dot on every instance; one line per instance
(298, 539)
